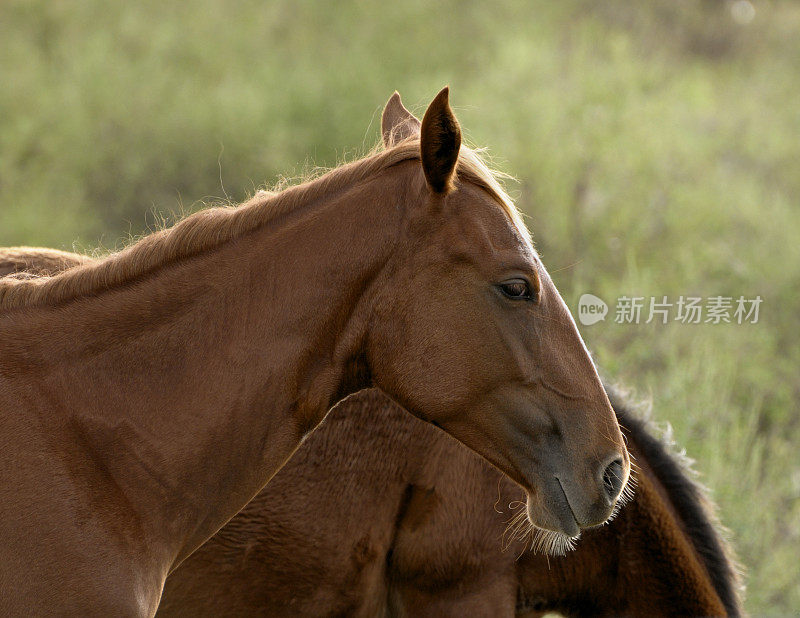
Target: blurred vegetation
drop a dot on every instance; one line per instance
(656, 145)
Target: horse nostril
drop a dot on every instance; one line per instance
(612, 479)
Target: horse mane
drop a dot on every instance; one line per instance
(674, 471)
(213, 227)
(36, 261)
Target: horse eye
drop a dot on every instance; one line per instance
(517, 289)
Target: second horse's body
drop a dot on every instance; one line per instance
(379, 514)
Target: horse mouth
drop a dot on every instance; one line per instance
(562, 531)
(552, 513)
(564, 513)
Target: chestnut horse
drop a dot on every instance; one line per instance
(146, 397)
(407, 521)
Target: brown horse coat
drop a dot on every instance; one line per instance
(147, 396)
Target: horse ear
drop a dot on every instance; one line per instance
(440, 141)
(397, 123)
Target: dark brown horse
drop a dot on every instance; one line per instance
(146, 397)
(407, 528)
(378, 513)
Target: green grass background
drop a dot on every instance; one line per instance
(657, 147)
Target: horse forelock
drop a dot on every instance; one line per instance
(673, 470)
(213, 227)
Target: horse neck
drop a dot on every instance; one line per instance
(191, 386)
(710, 563)
(656, 541)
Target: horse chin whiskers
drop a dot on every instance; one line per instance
(535, 539)
(550, 543)
(518, 527)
